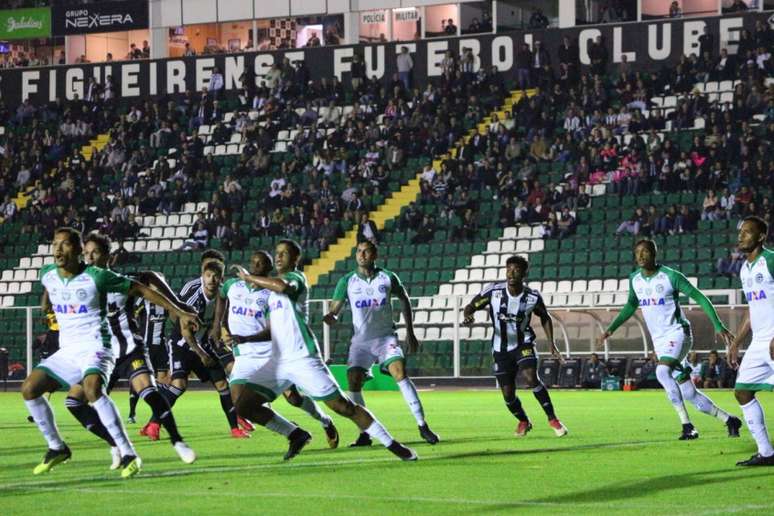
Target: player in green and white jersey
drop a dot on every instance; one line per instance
(756, 372)
(295, 355)
(656, 289)
(369, 291)
(78, 295)
(247, 333)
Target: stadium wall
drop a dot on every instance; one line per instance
(648, 46)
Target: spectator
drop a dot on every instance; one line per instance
(730, 265)
(593, 372)
(199, 238)
(425, 231)
(216, 83)
(674, 10)
(405, 66)
(713, 373)
(632, 224)
(313, 40)
(710, 206)
(537, 20)
(565, 224)
(366, 230)
(357, 72)
(450, 29)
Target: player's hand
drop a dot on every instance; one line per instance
(190, 321)
(214, 334)
(468, 320)
(602, 338)
(557, 354)
(330, 319)
(732, 355)
(412, 343)
(239, 271)
(207, 360)
(727, 337)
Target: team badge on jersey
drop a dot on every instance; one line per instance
(81, 294)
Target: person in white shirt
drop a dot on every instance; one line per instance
(405, 66)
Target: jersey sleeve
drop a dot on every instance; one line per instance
(109, 281)
(482, 299)
(296, 283)
(681, 284)
(340, 294)
(768, 255)
(627, 311)
(45, 270)
(396, 284)
(227, 286)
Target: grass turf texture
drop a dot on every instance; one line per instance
(622, 454)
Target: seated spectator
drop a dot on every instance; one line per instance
(425, 231)
(593, 373)
(710, 206)
(713, 373)
(632, 224)
(199, 238)
(730, 265)
(366, 230)
(565, 224)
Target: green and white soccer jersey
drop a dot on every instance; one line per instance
(374, 339)
(756, 372)
(80, 305)
(290, 332)
(247, 315)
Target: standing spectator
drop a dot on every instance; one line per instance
(357, 72)
(593, 372)
(313, 40)
(146, 51)
(405, 66)
(598, 56)
(674, 10)
(538, 20)
(216, 83)
(450, 29)
(523, 64)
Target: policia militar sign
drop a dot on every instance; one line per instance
(99, 17)
(648, 45)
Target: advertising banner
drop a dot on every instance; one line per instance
(99, 17)
(25, 23)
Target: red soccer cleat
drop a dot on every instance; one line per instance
(559, 428)
(245, 425)
(238, 433)
(151, 431)
(523, 428)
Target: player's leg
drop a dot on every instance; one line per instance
(356, 376)
(133, 398)
(704, 404)
(43, 379)
(309, 406)
(671, 351)
(756, 372)
(505, 368)
(87, 416)
(397, 369)
(540, 391)
(226, 360)
(182, 361)
(94, 389)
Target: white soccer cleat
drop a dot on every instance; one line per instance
(185, 452)
(116, 455)
(558, 427)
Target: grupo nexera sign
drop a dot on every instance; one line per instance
(99, 17)
(648, 46)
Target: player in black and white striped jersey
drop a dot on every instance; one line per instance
(511, 304)
(130, 353)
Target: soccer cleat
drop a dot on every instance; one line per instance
(559, 429)
(297, 439)
(428, 435)
(130, 466)
(733, 424)
(238, 433)
(523, 428)
(402, 452)
(757, 460)
(116, 456)
(185, 452)
(131, 420)
(689, 433)
(151, 431)
(331, 434)
(245, 425)
(30, 419)
(362, 440)
(51, 459)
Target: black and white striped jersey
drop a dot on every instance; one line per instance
(510, 315)
(193, 295)
(125, 336)
(152, 320)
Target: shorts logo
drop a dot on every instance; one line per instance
(759, 278)
(660, 289)
(136, 364)
(526, 352)
(81, 294)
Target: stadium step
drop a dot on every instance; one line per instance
(97, 143)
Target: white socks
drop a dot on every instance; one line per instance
(701, 401)
(753, 416)
(378, 432)
(664, 375)
(108, 414)
(357, 397)
(280, 425)
(412, 399)
(309, 406)
(41, 412)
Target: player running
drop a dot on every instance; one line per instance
(296, 357)
(756, 373)
(130, 353)
(511, 305)
(656, 288)
(78, 293)
(369, 291)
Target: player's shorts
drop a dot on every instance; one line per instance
(673, 348)
(183, 361)
(509, 362)
(159, 357)
(135, 363)
(70, 365)
(756, 372)
(269, 377)
(221, 354)
(382, 351)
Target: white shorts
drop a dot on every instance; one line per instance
(756, 372)
(269, 377)
(382, 351)
(70, 365)
(674, 348)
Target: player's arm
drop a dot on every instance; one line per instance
(217, 320)
(45, 306)
(278, 285)
(626, 312)
(186, 318)
(193, 343)
(408, 316)
(337, 302)
(479, 302)
(154, 280)
(683, 285)
(732, 351)
(548, 326)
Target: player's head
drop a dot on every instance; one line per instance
(210, 255)
(752, 234)
(645, 251)
(67, 247)
(366, 254)
(516, 269)
(261, 263)
(96, 249)
(287, 254)
(211, 277)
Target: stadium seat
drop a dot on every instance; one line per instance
(569, 373)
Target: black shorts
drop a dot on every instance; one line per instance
(159, 356)
(183, 362)
(133, 364)
(509, 362)
(223, 355)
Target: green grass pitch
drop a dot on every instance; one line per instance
(622, 455)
